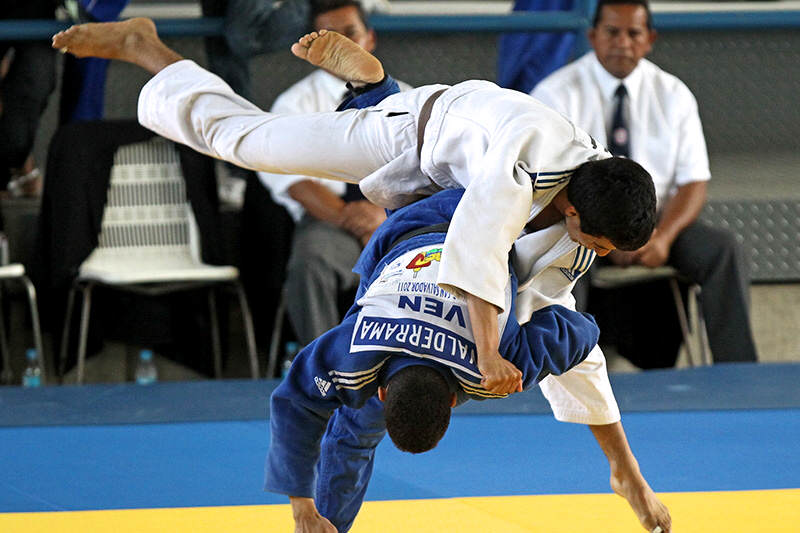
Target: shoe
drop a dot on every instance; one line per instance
(27, 185)
(230, 188)
(72, 10)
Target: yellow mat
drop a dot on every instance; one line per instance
(768, 511)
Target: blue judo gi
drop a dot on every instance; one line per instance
(325, 417)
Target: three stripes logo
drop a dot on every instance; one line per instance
(355, 380)
(322, 385)
(583, 260)
(543, 181)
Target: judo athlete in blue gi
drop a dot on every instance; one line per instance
(409, 342)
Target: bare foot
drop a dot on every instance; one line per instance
(109, 40)
(340, 56)
(644, 502)
(134, 40)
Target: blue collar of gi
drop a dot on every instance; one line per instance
(429, 211)
(399, 362)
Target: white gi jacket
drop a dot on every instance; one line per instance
(548, 263)
(497, 144)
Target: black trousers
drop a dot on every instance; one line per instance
(252, 27)
(642, 321)
(23, 96)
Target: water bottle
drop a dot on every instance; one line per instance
(33, 372)
(291, 350)
(146, 372)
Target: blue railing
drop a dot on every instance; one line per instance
(577, 20)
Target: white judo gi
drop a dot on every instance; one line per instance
(508, 151)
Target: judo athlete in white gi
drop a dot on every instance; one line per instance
(401, 318)
(515, 158)
(500, 145)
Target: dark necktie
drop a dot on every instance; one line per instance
(618, 136)
(352, 193)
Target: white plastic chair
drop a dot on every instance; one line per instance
(693, 326)
(149, 244)
(16, 271)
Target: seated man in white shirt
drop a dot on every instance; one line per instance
(651, 116)
(333, 220)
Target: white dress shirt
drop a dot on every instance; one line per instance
(665, 132)
(319, 91)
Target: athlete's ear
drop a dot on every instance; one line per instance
(382, 393)
(570, 211)
(453, 399)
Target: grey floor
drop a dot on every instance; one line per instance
(775, 318)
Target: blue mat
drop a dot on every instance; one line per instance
(221, 463)
(727, 386)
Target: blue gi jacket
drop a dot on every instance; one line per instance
(400, 317)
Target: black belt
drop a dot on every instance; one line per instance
(435, 228)
(424, 116)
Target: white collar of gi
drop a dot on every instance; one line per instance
(608, 84)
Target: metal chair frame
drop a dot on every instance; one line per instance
(17, 271)
(693, 327)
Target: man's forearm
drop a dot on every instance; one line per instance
(681, 210)
(485, 329)
(318, 201)
(627, 480)
(499, 375)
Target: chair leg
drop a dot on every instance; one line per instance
(84, 334)
(215, 343)
(684, 322)
(277, 327)
(699, 322)
(37, 331)
(250, 335)
(62, 357)
(7, 376)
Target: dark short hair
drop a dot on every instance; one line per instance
(417, 408)
(615, 199)
(320, 7)
(602, 3)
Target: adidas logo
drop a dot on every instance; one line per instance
(322, 385)
(570, 274)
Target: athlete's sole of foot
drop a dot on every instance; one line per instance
(339, 55)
